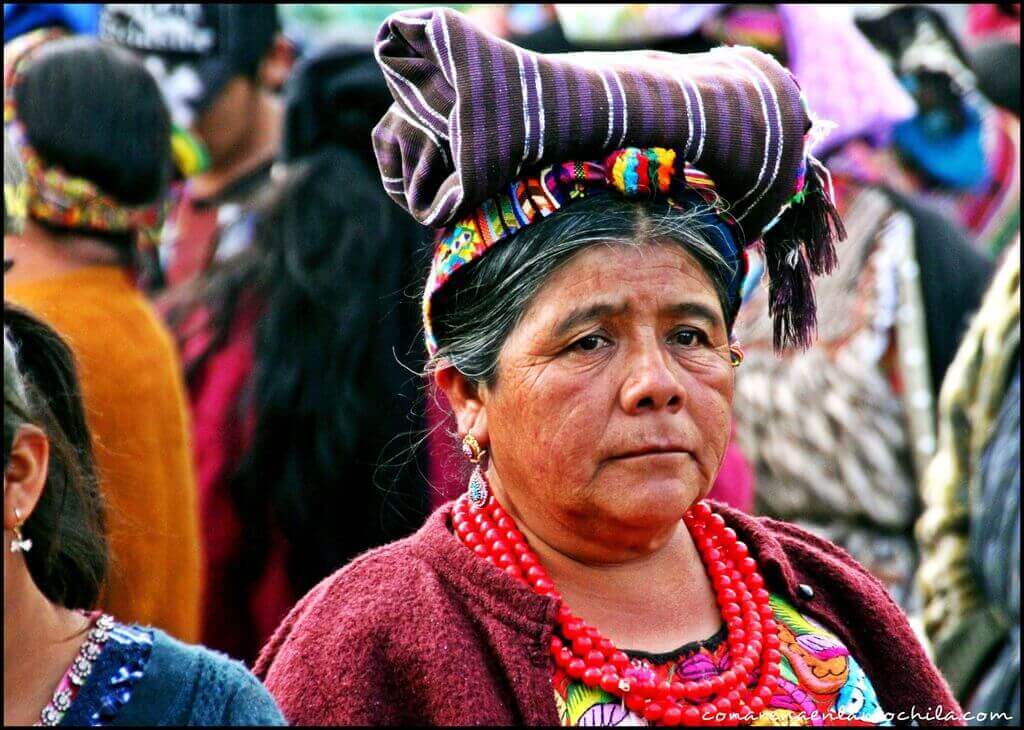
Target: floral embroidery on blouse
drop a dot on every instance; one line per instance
(820, 681)
(113, 678)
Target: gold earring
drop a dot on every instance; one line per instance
(736, 355)
(471, 448)
(19, 544)
(478, 490)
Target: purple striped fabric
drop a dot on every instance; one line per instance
(472, 112)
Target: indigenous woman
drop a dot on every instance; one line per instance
(65, 661)
(593, 212)
(93, 133)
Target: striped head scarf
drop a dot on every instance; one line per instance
(485, 138)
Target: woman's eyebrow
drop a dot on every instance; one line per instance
(695, 309)
(587, 314)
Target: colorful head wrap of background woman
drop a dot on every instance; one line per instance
(15, 190)
(53, 195)
(480, 155)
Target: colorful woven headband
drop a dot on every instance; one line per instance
(53, 195)
(631, 172)
(481, 155)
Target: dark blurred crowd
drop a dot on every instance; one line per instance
(205, 226)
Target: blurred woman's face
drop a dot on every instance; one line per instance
(611, 409)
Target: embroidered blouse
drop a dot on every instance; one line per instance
(820, 683)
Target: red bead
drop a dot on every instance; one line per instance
(610, 682)
(728, 595)
(490, 559)
(739, 635)
(715, 522)
(761, 596)
(747, 566)
(772, 655)
(505, 560)
(708, 712)
(635, 702)
(717, 566)
(772, 641)
(520, 549)
(766, 611)
(728, 537)
(499, 547)
(472, 539)
(535, 572)
(582, 645)
(572, 629)
(564, 656)
(505, 523)
(606, 646)
(663, 690)
(595, 659)
(543, 584)
(728, 678)
(691, 715)
(619, 660)
(723, 704)
(756, 705)
(492, 534)
(730, 609)
(527, 560)
(740, 551)
(481, 550)
(592, 676)
(672, 716)
(653, 711)
(701, 510)
(576, 667)
(713, 554)
(755, 581)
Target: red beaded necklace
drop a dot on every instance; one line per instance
(585, 655)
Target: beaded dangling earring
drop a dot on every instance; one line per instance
(19, 544)
(479, 489)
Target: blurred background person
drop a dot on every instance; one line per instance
(217, 65)
(970, 530)
(300, 357)
(76, 19)
(960, 152)
(64, 661)
(94, 137)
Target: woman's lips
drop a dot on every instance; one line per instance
(649, 451)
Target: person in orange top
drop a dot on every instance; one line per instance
(98, 161)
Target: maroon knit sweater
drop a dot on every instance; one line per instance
(422, 631)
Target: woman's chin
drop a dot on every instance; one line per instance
(652, 500)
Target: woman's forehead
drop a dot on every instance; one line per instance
(629, 278)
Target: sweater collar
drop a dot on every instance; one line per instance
(516, 605)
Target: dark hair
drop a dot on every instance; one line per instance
(478, 309)
(68, 560)
(95, 111)
(328, 261)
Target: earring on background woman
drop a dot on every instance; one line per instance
(479, 488)
(19, 544)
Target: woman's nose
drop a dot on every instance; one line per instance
(651, 382)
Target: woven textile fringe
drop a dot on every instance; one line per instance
(801, 242)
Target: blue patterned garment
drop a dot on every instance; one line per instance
(117, 671)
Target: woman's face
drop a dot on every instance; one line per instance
(610, 413)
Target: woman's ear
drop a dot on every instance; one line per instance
(467, 401)
(277, 64)
(25, 475)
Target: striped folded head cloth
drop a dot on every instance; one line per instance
(485, 138)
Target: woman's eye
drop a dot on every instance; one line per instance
(689, 338)
(589, 343)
